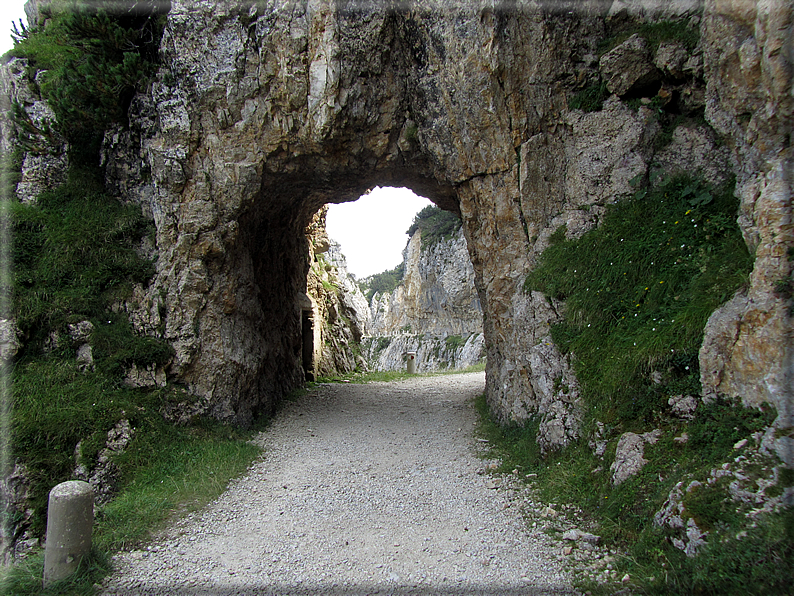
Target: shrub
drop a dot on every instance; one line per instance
(383, 283)
(590, 99)
(95, 57)
(435, 224)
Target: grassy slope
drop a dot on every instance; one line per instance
(638, 292)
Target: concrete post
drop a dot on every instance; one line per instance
(70, 517)
(411, 357)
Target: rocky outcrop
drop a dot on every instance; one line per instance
(432, 352)
(434, 311)
(437, 295)
(336, 315)
(262, 113)
(748, 348)
(629, 454)
(44, 150)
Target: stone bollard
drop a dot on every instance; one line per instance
(70, 517)
(411, 357)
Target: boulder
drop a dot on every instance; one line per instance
(629, 67)
(629, 454)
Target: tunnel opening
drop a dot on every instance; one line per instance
(357, 324)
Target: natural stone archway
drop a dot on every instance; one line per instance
(263, 112)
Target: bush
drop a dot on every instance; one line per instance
(383, 283)
(435, 224)
(590, 99)
(95, 57)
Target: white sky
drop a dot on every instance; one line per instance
(10, 12)
(372, 229)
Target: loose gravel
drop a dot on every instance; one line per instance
(362, 489)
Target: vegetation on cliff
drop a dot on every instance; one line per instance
(435, 224)
(77, 252)
(93, 58)
(638, 291)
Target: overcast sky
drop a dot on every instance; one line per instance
(370, 230)
(10, 12)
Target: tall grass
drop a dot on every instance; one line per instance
(638, 291)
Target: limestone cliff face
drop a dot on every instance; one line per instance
(436, 296)
(263, 113)
(335, 314)
(434, 311)
(747, 351)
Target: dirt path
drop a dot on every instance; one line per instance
(363, 489)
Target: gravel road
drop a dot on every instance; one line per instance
(362, 489)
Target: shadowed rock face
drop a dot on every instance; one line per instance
(261, 115)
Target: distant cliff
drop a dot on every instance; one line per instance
(434, 311)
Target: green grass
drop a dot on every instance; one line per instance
(638, 291)
(74, 254)
(762, 562)
(590, 99)
(55, 407)
(453, 342)
(166, 470)
(654, 34)
(368, 377)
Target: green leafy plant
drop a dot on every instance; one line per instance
(383, 283)
(95, 56)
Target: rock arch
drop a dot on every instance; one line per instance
(264, 111)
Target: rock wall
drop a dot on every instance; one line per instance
(435, 311)
(432, 352)
(263, 112)
(336, 315)
(436, 296)
(747, 351)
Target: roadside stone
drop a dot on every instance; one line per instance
(629, 454)
(81, 332)
(9, 339)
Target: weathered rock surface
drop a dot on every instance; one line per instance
(437, 295)
(433, 352)
(45, 161)
(261, 114)
(749, 100)
(338, 314)
(629, 454)
(629, 66)
(435, 311)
